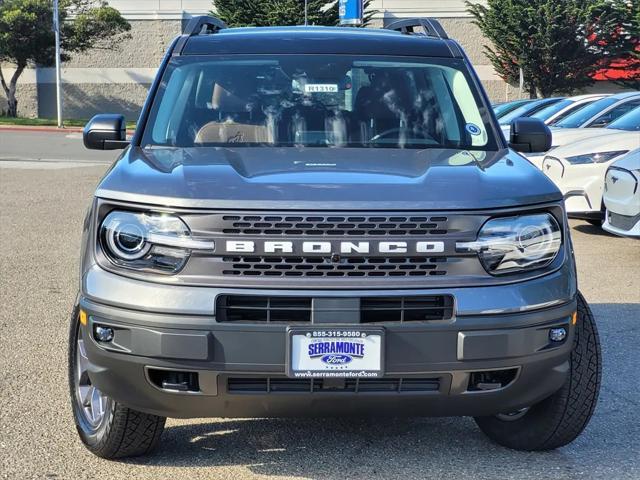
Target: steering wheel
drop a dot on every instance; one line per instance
(397, 131)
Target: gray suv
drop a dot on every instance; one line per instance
(314, 221)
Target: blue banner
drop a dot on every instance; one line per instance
(350, 12)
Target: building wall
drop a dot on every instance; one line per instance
(117, 81)
(100, 80)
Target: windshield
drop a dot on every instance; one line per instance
(527, 110)
(504, 108)
(629, 121)
(318, 101)
(550, 110)
(580, 117)
(569, 111)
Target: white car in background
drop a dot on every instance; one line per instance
(560, 109)
(601, 112)
(588, 122)
(622, 196)
(578, 169)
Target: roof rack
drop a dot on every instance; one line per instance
(205, 22)
(431, 26)
(201, 25)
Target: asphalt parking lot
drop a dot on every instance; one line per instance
(42, 202)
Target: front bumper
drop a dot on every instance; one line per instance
(622, 199)
(442, 355)
(626, 226)
(581, 185)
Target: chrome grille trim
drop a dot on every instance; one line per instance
(277, 249)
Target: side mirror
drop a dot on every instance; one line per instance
(105, 132)
(530, 135)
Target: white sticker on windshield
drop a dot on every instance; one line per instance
(320, 88)
(473, 129)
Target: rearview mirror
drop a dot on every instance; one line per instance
(105, 132)
(530, 135)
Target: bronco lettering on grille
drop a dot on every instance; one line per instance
(324, 247)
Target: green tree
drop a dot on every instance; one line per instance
(27, 38)
(559, 44)
(262, 13)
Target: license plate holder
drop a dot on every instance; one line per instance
(335, 352)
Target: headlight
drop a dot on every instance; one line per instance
(599, 157)
(513, 244)
(154, 242)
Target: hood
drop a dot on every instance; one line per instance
(325, 178)
(631, 161)
(614, 141)
(563, 136)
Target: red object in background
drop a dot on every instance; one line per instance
(622, 70)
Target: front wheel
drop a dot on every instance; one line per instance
(107, 428)
(560, 418)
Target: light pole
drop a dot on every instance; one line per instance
(521, 82)
(306, 18)
(56, 30)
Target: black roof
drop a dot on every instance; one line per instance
(317, 40)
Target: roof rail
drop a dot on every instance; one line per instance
(431, 26)
(210, 24)
(204, 24)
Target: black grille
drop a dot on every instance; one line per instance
(406, 309)
(255, 266)
(274, 385)
(623, 222)
(352, 226)
(249, 308)
(292, 310)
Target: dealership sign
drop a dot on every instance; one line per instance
(350, 12)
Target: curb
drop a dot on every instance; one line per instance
(37, 128)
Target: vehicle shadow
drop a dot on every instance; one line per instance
(331, 448)
(592, 230)
(339, 448)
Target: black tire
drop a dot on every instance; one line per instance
(560, 418)
(123, 432)
(597, 222)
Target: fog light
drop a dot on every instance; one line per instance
(103, 334)
(557, 334)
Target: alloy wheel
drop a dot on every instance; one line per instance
(92, 403)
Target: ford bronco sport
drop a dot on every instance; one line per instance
(326, 221)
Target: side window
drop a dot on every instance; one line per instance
(608, 117)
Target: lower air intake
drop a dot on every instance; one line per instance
(275, 385)
(296, 310)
